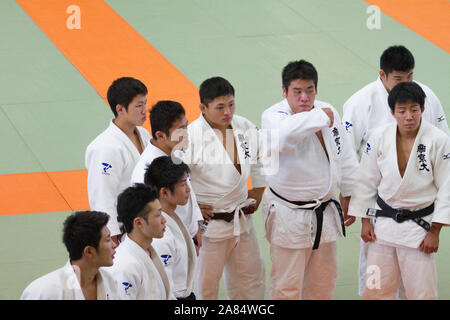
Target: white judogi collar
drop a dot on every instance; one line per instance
(154, 151)
(73, 270)
(72, 274)
(117, 132)
(150, 153)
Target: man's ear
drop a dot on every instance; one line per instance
(383, 75)
(202, 107)
(164, 193)
(284, 91)
(120, 109)
(138, 222)
(160, 135)
(89, 251)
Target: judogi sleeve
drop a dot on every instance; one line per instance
(365, 188)
(439, 119)
(349, 163)
(196, 212)
(33, 292)
(441, 176)
(129, 283)
(105, 168)
(257, 175)
(354, 120)
(293, 128)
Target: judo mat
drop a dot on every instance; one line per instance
(58, 57)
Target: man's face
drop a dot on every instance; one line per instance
(395, 77)
(219, 112)
(300, 95)
(106, 249)
(408, 115)
(154, 225)
(137, 111)
(181, 192)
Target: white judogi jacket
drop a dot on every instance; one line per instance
(138, 276)
(368, 109)
(110, 160)
(305, 174)
(216, 180)
(190, 213)
(426, 180)
(64, 284)
(178, 255)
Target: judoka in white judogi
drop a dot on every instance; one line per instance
(190, 213)
(216, 181)
(306, 173)
(368, 109)
(110, 160)
(177, 253)
(64, 284)
(138, 276)
(425, 180)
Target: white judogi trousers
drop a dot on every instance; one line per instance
(241, 263)
(293, 269)
(389, 265)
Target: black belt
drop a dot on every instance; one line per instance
(189, 297)
(401, 215)
(319, 214)
(229, 216)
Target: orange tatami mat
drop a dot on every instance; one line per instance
(428, 18)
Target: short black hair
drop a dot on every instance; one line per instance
(404, 92)
(123, 90)
(133, 202)
(213, 88)
(81, 229)
(396, 58)
(163, 114)
(300, 69)
(164, 173)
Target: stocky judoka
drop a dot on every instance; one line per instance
(223, 153)
(302, 217)
(111, 157)
(169, 123)
(403, 186)
(176, 249)
(84, 277)
(137, 268)
(368, 109)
